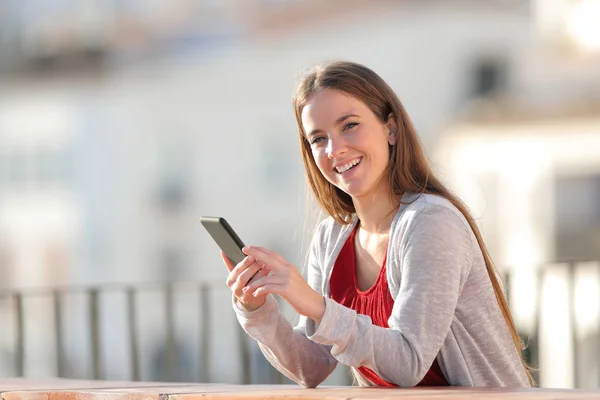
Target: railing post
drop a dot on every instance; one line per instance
(598, 318)
(95, 332)
(171, 356)
(245, 355)
(132, 328)
(20, 342)
(58, 334)
(205, 316)
(539, 286)
(573, 322)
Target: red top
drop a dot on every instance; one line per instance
(376, 302)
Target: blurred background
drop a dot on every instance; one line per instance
(122, 122)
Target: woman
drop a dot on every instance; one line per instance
(400, 285)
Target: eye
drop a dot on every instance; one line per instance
(316, 140)
(350, 125)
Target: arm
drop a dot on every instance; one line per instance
(435, 255)
(288, 349)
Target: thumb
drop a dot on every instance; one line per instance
(227, 261)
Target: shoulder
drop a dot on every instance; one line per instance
(418, 209)
(328, 230)
(429, 231)
(431, 215)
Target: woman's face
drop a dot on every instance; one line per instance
(350, 145)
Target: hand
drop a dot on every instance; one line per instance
(286, 281)
(239, 276)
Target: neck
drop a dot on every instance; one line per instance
(376, 212)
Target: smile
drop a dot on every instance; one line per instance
(348, 166)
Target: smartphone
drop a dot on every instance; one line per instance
(224, 235)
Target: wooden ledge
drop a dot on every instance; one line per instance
(63, 389)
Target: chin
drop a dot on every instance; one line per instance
(353, 190)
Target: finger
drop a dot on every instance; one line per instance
(238, 269)
(227, 261)
(273, 262)
(271, 253)
(249, 273)
(238, 287)
(259, 282)
(258, 274)
(263, 271)
(269, 288)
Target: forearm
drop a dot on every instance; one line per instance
(396, 357)
(287, 349)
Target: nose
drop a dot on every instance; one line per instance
(336, 146)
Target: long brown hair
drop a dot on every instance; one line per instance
(408, 169)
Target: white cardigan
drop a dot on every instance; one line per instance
(444, 307)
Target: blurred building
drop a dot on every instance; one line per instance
(525, 156)
(121, 123)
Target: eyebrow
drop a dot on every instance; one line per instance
(337, 122)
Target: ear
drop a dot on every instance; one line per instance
(392, 129)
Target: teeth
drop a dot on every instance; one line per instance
(347, 166)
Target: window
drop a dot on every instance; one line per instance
(577, 213)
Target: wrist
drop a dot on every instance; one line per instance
(250, 306)
(318, 309)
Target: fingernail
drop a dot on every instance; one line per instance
(245, 289)
(251, 259)
(246, 248)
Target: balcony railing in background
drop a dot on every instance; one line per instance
(205, 310)
(563, 292)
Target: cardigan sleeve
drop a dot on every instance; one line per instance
(306, 362)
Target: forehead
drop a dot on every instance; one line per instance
(325, 107)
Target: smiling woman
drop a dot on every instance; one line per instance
(400, 285)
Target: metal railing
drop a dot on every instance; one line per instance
(14, 300)
(204, 311)
(567, 272)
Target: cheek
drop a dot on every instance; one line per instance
(320, 159)
(323, 165)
